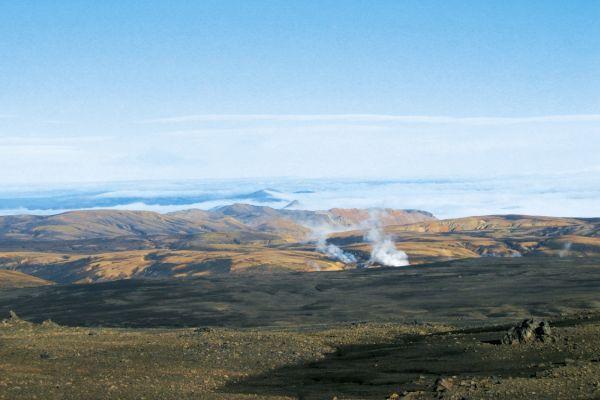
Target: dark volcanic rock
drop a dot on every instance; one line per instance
(205, 329)
(12, 319)
(528, 331)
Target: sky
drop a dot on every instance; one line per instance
(172, 90)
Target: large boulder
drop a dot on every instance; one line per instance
(528, 331)
(13, 319)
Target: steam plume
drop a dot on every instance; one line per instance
(319, 234)
(383, 249)
(564, 252)
(333, 251)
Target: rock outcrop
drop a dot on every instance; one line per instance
(528, 331)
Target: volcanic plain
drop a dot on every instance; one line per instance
(243, 302)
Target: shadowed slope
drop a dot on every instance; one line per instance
(474, 366)
(464, 292)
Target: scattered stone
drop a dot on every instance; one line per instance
(443, 384)
(528, 331)
(543, 330)
(405, 395)
(50, 324)
(14, 319)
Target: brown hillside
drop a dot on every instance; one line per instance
(290, 225)
(486, 236)
(15, 279)
(77, 268)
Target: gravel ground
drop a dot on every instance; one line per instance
(344, 361)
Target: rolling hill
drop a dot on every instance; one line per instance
(15, 279)
(110, 224)
(162, 263)
(107, 245)
(485, 236)
(438, 292)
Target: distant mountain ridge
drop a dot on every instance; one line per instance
(109, 224)
(93, 246)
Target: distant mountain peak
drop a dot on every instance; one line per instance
(292, 205)
(263, 196)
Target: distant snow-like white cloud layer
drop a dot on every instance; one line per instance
(451, 166)
(574, 194)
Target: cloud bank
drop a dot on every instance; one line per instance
(338, 146)
(424, 119)
(572, 194)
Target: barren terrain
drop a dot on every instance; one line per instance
(98, 246)
(242, 304)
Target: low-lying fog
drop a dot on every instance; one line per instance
(561, 195)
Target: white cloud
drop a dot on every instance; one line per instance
(340, 149)
(573, 194)
(421, 119)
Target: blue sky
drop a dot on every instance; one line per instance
(124, 90)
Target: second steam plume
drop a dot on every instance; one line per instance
(383, 249)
